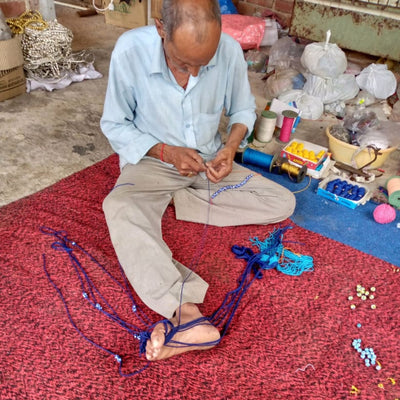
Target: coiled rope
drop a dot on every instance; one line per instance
(32, 19)
(46, 47)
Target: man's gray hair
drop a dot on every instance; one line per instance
(174, 15)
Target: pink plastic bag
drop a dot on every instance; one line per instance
(247, 30)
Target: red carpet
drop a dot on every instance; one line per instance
(290, 339)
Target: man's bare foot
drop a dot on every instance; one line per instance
(194, 337)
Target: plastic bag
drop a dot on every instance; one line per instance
(282, 81)
(377, 80)
(311, 107)
(256, 60)
(344, 87)
(395, 115)
(5, 31)
(326, 60)
(285, 53)
(382, 136)
(360, 120)
(247, 30)
(227, 7)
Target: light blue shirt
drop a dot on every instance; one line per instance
(144, 105)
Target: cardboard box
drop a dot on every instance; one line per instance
(127, 13)
(12, 77)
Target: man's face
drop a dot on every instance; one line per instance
(185, 54)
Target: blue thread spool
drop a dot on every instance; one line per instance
(274, 164)
(250, 156)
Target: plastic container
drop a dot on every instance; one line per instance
(300, 160)
(343, 152)
(270, 33)
(342, 200)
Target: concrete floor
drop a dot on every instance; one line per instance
(46, 136)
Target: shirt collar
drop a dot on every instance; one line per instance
(159, 64)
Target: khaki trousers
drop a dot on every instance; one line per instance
(134, 208)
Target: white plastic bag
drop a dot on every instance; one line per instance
(377, 80)
(344, 87)
(324, 59)
(311, 107)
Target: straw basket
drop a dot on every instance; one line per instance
(343, 152)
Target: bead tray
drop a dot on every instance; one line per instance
(299, 160)
(339, 199)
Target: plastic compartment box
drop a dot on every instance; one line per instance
(319, 151)
(339, 199)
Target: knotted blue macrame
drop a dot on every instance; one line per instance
(272, 254)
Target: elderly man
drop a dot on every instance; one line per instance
(168, 86)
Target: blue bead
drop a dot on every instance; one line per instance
(85, 295)
(134, 308)
(98, 306)
(118, 358)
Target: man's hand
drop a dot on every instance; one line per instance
(221, 165)
(187, 161)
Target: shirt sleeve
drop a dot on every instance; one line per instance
(118, 120)
(240, 103)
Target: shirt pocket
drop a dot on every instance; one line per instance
(206, 127)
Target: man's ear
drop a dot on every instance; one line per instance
(160, 27)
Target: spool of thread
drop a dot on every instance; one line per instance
(255, 157)
(393, 189)
(280, 165)
(266, 126)
(274, 164)
(289, 117)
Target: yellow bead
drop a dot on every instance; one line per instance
(350, 297)
(353, 306)
(372, 289)
(373, 306)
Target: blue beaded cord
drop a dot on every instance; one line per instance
(231, 187)
(270, 256)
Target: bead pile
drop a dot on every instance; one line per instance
(299, 150)
(345, 189)
(363, 294)
(368, 354)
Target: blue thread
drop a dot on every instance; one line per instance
(221, 318)
(258, 158)
(230, 187)
(122, 184)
